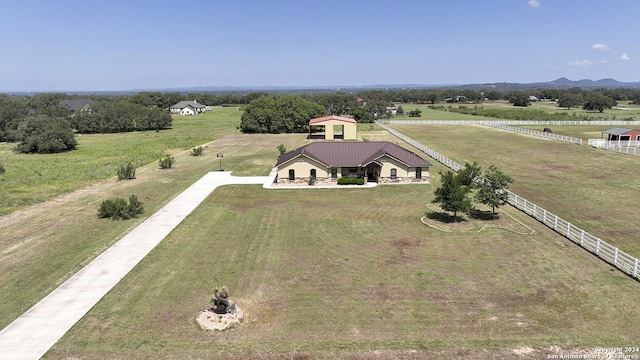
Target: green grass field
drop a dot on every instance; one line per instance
(623, 111)
(343, 273)
(592, 188)
(34, 178)
(339, 273)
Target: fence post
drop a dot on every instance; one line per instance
(635, 269)
(615, 257)
(568, 229)
(598, 247)
(544, 216)
(534, 210)
(555, 223)
(582, 238)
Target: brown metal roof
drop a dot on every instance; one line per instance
(331, 117)
(353, 154)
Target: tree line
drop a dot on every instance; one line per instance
(264, 112)
(40, 124)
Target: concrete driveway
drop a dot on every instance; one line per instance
(36, 331)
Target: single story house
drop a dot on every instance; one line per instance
(187, 108)
(621, 134)
(76, 104)
(348, 128)
(375, 161)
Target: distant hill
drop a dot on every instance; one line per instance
(555, 84)
(560, 83)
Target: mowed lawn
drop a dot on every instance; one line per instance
(594, 189)
(322, 273)
(343, 273)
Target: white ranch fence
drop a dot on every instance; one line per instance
(631, 147)
(611, 254)
(508, 122)
(536, 133)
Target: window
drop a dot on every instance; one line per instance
(292, 174)
(334, 173)
(313, 174)
(418, 173)
(394, 173)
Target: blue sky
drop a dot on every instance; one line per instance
(72, 45)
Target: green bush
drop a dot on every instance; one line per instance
(197, 151)
(166, 162)
(126, 171)
(120, 209)
(350, 181)
(44, 135)
(282, 149)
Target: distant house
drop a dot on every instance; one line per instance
(392, 109)
(456, 99)
(76, 104)
(622, 134)
(375, 161)
(533, 98)
(347, 127)
(187, 108)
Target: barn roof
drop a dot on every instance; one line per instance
(331, 117)
(353, 154)
(617, 131)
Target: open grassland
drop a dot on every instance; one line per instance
(34, 178)
(325, 273)
(624, 111)
(594, 189)
(433, 114)
(337, 273)
(43, 245)
(584, 132)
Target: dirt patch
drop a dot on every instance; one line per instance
(209, 320)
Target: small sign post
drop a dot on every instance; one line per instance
(219, 156)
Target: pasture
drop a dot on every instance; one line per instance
(34, 178)
(335, 273)
(624, 111)
(592, 188)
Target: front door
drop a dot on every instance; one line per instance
(373, 171)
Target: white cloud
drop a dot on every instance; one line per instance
(625, 57)
(534, 3)
(584, 64)
(601, 47)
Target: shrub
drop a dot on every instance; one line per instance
(282, 149)
(1, 169)
(197, 151)
(120, 209)
(126, 171)
(350, 181)
(166, 162)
